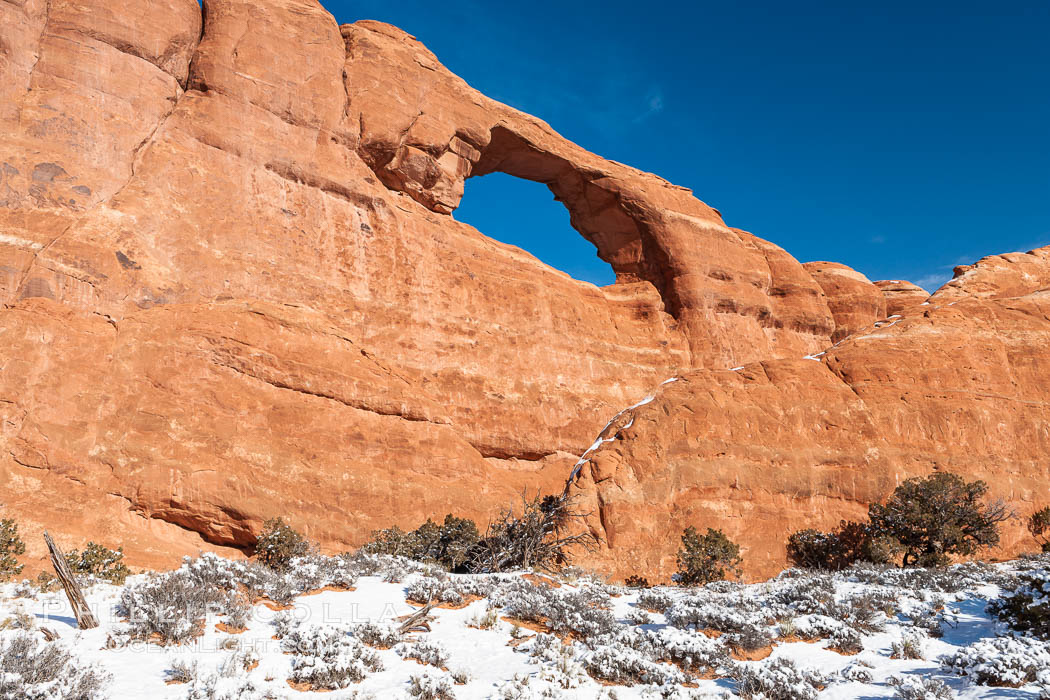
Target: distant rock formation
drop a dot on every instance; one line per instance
(901, 295)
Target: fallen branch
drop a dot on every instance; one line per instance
(85, 618)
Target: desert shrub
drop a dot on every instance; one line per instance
(170, 608)
(920, 688)
(99, 562)
(217, 686)
(377, 634)
(327, 656)
(562, 612)
(706, 558)
(858, 671)
(867, 611)
(46, 582)
(445, 590)
(11, 547)
(425, 652)
(910, 646)
(637, 616)
(451, 544)
(625, 666)
(33, 670)
(726, 611)
(182, 671)
(846, 640)
(1039, 526)
(636, 581)
(542, 537)
(431, 686)
(655, 599)
(938, 516)
(748, 638)
(808, 594)
(1026, 607)
(777, 680)
(279, 543)
(1004, 661)
(836, 550)
(691, 652)
(919, 580)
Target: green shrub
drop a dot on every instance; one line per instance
(706, 558)
(451, 544)
(938, 516)
(852, 542)
(100, 562)
(1039, 526)
(11, 547)
(279, 543)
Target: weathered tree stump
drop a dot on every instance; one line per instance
(85, 618)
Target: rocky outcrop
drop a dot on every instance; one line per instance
(901, 296)
(783, 445)
(998, 277)
(855, 302)
(233, 287)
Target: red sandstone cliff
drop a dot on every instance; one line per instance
(232, 287)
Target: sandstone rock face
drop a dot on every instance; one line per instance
(901, 296)
(233, 285)
(782, 445)
(998, 276)
(854, 301)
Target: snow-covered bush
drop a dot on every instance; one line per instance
(328, 657)
(1004, 661)
(920, 688)
(31, 669)
(170, 608)
(624, 666)
(283, 622)
(562, 612)
(97, 563)
(182, 671)
(805, 593)
(424, 651)
(689, 651)
(279, 543)
(377, 634)
(813, 627)
(220, 687)
(384, 566)
(910, 646)
(637, 616)
(719, 611)
(748, 638)
(312, 572)
(777, 680)
(1026, 607)
(846, 641)
(431, 686)
(858, 671)
(655, 599)
(454, 590)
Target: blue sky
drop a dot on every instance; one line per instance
(901, 138)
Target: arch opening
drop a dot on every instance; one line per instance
(525, 214)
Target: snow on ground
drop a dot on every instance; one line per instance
(631, 635)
